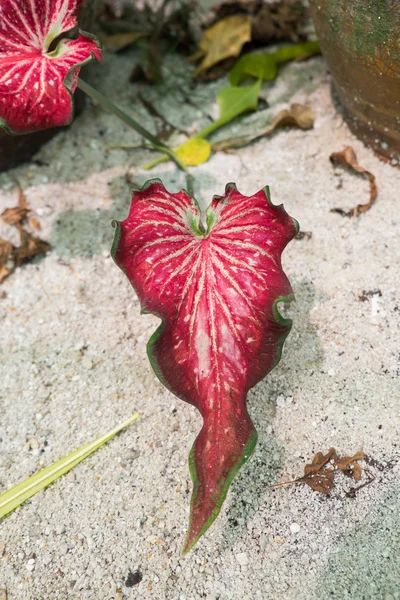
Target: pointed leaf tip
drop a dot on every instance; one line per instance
(212, 478)
(216, 293)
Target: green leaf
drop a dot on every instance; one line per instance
(194, 152)
(11, 499)
(232, 102)
(261, 66)
(265, 66)
(296, 51)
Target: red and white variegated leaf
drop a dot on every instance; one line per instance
(216, 292)
(36, 85)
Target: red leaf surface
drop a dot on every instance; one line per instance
(216, 292)
(36, 84)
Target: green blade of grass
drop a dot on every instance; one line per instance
(11, 499)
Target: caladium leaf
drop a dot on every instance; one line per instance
(216, 289)
(36, 81)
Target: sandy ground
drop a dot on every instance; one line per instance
(73, 364)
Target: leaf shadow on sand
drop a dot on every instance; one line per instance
(88, 232)
(365, 564)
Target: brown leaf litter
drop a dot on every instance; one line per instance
(12, 257)
(319, 475)
(225, 39)
(271, 22)
(347, 158)
(241, 22)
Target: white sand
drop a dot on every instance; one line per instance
(73, 364)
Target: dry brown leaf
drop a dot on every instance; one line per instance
(319, 461)
(271, 22)
(6, 261)
(348, 158)
(316, 475)
(29, 247)
(12, 256)
(223, 40)
(12, 216)
(299, 115)
(349, 465)
(320, 481)
(35, 223)
(320, 474)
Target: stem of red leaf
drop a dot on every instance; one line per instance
(155, 142)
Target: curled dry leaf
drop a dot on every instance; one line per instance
(317, 475)
(223, 40)
(12, 256)
(6, 262)
(298, 116)
(348, 158)
(30, 246)
(16, 214)
(319, 481)
(35, 223)
(12, 216)
(320, 473)
(349, 465)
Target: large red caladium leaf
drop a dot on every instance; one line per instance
(36, 82)
(216, 290)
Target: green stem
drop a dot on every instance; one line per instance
(156, 144)
(189, 184)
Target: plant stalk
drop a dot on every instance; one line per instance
(123, 116)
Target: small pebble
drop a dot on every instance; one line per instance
(295, 528)
(280, 401)
(47, 559)
(30, 565)
(242, 558)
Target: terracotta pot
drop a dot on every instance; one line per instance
(360, 41)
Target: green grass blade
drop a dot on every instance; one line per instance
(11, 499)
